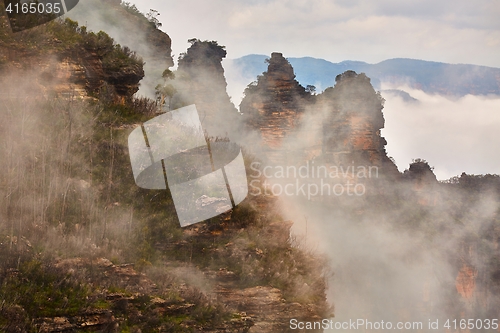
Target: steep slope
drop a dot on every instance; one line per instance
(70, 190)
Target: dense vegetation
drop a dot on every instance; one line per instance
(68, 194)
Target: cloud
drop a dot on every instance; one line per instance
(340, 30)
(453, 135)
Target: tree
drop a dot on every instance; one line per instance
(152, 17)
(165, 92)
(311, 89)
(168, 74)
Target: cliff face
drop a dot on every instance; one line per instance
(63, 52)
(275, 103)
(89, 59)
(94, 73)
(352, 127)
(340, 126)
(128, 26)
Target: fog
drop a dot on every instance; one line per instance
(50, 199)
(236, 81)
(382, 270)
(454, 135)
(398, 259)
(98, 16)
(392, 261)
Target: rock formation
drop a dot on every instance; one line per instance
(200, 80)
(340, 126)
(274, 105)
(128, 26)
(424, 182)
(351, 130)
(91, 62)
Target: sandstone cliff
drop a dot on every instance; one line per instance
(351, 130)
(129, 27)
(71, 60)
(340, 126)
(274, 105)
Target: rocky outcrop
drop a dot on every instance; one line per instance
(102, 320)
(82, 74)
(129, 27)
(351, 130)
(339, 127)
(423, 182)
(200, 80)
(90, 63)
(266, 308)
(274, 105)
(72, 61)
(88, 74)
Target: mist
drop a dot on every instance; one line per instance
(390, 260)
(382, 271)
(98, 15)
(454, 135)
(396, 253)
(236, 80)
(50, 198)
(394, 260)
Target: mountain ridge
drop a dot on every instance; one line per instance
(429, 76)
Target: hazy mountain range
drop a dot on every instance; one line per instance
(429, 76)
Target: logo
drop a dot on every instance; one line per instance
(206, 178)
(27, 14)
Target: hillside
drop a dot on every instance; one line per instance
(328, 220)
(431, 77)
(82, 247)
(400, 243)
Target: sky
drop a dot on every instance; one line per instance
(455, 136)
(452, 31)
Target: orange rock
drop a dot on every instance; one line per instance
(466, 281)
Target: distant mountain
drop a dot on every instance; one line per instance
(401, 94)
(429, 76)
